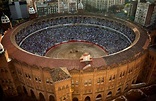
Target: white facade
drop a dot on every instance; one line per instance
(141, 13)
(102, 4)
(145, 14)
(69, 6)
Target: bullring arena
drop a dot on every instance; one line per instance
(76, 57)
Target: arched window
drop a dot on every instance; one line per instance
(119, 89)
(59, 89)
(75, 99)
(87, 98)
(121, 74)
(109, 94)
(99, 98)
(67, 86)
(89, 81)
(76, 82)
(51, 98)
(98, 80)
(113, 77)
(102, 80)
(110, 78)
(63, 87)
(85, 83)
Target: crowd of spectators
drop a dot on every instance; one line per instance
(39, 37)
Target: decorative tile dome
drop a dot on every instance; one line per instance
(5, 19)
(1, 48)
(32, 10)
(80, 5)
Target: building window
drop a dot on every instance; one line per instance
(76, 83)
(102, 80)
(85, 83)
(47, 81)
(98, 80)
(89, 82)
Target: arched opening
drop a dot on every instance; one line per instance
(118, 91)
(113, 77)
(41, 97)
(25, 91)
(87, 98)
(133, 82)
(99, 98)
(59, 89)
(51, 98)
(64, 99)
(67, 86)
(75, 99)
(32, 94)
(63, 87)
(19, 90)
(109, 94)
(1, 93)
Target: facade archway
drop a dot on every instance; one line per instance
(25, 91)
(51, 98)
(41, 97)
(32, 94)
(1, 93)
(98, 98)
(75, 99)
(19, 90)
(87, 98)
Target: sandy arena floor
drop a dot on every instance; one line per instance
(74, 50)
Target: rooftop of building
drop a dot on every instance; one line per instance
(59, 74)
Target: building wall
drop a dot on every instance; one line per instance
(141, 13)
(151, 66)
(17, 8)
(48, 9)
(102, 4)
(145, 14)
(6, 78)
(63, 90)
(116, 80)
(132, 9)
(90, 83)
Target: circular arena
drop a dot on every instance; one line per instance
(76, 57)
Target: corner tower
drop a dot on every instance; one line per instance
(6, 78)
(6, 24)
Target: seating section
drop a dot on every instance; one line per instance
(111, 35)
